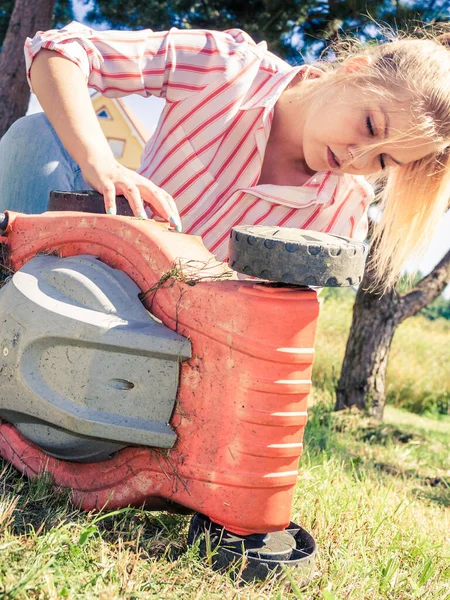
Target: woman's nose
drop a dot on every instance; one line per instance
(358, 157)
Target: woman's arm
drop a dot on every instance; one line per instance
(61, 88)
(176, 65)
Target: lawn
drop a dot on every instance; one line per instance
(376, 498)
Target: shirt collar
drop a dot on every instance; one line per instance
(322, 188)
(272, 90)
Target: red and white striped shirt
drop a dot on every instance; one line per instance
(208, 148)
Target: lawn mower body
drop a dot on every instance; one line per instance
(237, 356)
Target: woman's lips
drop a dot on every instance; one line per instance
(332, 160)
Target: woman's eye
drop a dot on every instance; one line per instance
(369, 127)
(382, 163)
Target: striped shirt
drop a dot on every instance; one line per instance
(208, 148)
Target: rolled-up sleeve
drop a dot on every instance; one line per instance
(172, 64)
(72, 42)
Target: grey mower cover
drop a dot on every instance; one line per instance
(84, 368)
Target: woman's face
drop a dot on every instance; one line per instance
(341, 124)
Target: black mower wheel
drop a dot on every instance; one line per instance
(296, 256)
(255, 557)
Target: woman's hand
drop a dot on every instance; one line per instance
(110, 178)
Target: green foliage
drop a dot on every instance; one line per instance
(327, 20)
(63, 13)
(337, 293)
(290, 27)
(438, 309)
(407, 281)
(6, 7)
(260, 18)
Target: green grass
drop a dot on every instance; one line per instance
(418, 376)
(375, 496)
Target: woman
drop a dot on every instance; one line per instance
(244, 137)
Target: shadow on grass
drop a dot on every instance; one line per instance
(39, 508)
(348, 435)
(437, 496)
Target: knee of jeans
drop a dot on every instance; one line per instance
(26, 128)
(32, 162)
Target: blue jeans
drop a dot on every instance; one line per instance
(33, 162)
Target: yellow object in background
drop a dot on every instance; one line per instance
(125, 133)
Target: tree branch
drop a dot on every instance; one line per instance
(428, 288)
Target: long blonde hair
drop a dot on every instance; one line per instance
(413, 197)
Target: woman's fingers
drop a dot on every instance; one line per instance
(133, 196)
(162, 203)
(109, 197)
(174, 208)
(111, 178)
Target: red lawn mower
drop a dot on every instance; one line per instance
(138, 370)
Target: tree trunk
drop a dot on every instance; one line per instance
(27, 17)
(375, 318)
(364, 368)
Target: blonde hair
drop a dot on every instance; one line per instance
(413, 198)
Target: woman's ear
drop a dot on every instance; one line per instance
(355, 63)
